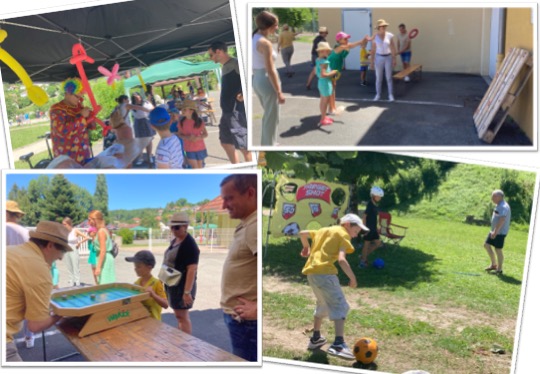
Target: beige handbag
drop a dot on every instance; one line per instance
(171, 277)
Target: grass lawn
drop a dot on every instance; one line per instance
(35, 159)
(432, 307)
(24, 135)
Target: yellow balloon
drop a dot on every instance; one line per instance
(35, 93)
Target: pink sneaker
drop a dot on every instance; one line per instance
(327, 121)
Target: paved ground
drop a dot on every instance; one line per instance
(216, 155)
(434, 111)
(206, 315)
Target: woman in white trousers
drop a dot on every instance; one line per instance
(383, 59)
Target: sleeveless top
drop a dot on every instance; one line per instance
(258, 57)
(72, 239)
(383, 46)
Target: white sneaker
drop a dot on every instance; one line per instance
(318, 343)
(29, 340)
(407, 79)
(341, 351)
(391, 98)
(339, 110)
(376, 98)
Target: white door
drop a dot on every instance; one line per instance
(357, 23)
(494, 40)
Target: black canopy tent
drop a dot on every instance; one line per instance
(134, 34)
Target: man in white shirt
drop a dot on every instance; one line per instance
(15, 233)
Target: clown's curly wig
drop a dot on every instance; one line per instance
(72, 86)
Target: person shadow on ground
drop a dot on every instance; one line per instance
(308, 124)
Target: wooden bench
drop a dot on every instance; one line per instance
(412, 69)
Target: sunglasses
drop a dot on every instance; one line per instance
(61, 249)
(177, 227)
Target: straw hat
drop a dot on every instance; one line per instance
(323, 29)
(381, 23)
(323, 46)
(52, 232)
(189, 104)
(13, 207)
(181, 218)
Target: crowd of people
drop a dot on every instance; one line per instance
(181, 144)
(31, 274)
(327, 61)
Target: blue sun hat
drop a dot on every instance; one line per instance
(159, 117)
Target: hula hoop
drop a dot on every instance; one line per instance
(413, 34)
(337, 76)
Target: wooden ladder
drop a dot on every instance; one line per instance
(487, 118)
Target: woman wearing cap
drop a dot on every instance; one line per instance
(141, 127)
(192, 131)
(105, 271)
(72, 258)
(337, 62)
(70, 124)
(286, 47)
(266, 82)
(324, 73)
(383, 58)
(323, 33)
(182, 255)
(370, 218)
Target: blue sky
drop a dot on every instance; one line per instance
(133, 191)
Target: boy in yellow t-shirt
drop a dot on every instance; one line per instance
(364, 62)
(328, 245)
(144, 263)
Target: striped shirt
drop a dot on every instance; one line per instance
(169, 152)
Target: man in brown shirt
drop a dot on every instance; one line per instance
(239, 280)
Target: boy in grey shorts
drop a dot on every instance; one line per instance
(328, 245)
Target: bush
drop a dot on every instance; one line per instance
(127, 236)
(519, 195)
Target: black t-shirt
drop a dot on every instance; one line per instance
(372, 214)
(231, 86)
(316, 42)
(188, 254)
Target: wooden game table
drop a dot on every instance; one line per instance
(143, 340)
(109, 323)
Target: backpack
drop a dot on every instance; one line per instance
(115, 250)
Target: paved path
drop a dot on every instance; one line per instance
(434, 111)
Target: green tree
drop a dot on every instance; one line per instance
(101, 196)
(59, 202)
(294, 17)
(31, 200)
(83, 197)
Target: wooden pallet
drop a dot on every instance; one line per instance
(494, 107)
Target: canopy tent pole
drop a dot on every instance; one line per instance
(150, 239)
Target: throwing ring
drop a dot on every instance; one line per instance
(413, 34)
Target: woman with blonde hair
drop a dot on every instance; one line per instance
(266, 83)
(103, 245)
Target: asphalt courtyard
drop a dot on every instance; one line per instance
(206, 315)
(435, 110)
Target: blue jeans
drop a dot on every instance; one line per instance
(243, 337)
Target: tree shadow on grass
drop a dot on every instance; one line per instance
(404, 266)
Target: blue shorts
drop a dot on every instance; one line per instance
(363, 68)
(200, 155)
(406, 56)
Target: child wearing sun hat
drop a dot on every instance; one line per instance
(192, 131)
(324, 73)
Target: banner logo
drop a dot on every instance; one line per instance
(315, 209)
(314, 190)
(288, 210)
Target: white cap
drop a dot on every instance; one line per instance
(377, 191)
(353, 218)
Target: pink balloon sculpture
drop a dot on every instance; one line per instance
(111, 75)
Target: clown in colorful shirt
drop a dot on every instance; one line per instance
(70, 124)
